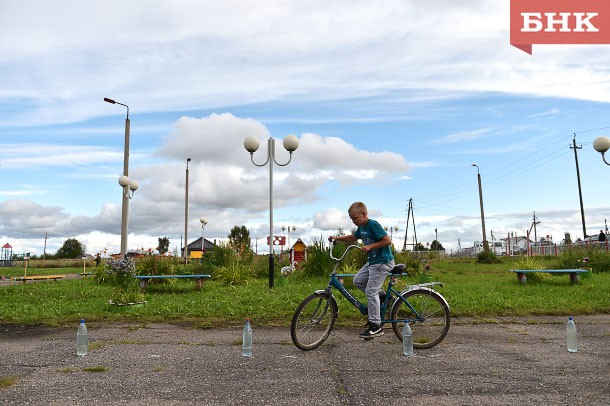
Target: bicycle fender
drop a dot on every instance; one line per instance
(325, 292)
(416, 287)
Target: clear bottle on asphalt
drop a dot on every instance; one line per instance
(82, 340)
(407, 340)
(571, 340)
(246, 346)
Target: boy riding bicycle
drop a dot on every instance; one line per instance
(371, 276)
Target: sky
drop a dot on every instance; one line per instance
(392, 102)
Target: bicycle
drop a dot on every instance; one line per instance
(426, 310)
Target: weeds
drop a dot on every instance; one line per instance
(7, 381)
(98, 368)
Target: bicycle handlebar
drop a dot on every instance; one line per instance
(332, 244)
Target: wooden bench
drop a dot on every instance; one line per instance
(144, 279)
(39, 278)
(521, 273)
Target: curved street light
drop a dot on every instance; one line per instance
(288, 230)
(602, 145)
(129, 186)
(251, 144)
(203, 221)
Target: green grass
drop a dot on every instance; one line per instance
(483, 291)
(7, 381)
(19, 272)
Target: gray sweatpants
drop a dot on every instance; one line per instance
(369, 279)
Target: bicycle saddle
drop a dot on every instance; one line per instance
(398, 269)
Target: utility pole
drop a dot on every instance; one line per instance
(485, 242)
(410, 214)
(582, 210)
(186, 214)
(44, 252)
(534, 224)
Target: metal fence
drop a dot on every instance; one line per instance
(540, 249)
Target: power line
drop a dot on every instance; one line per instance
(534, 160)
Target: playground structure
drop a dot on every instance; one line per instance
(7, 258)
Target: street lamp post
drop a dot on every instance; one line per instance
(186, 213)
(602, 145)
(392, 229)
(203, 221)
(129, 186)
(251, 144)
(485, 243)
(287, 230)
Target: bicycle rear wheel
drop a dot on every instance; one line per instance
(429, 317)
(313, 321)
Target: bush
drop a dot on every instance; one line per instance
(596, 259)
(157, 265)
(318, 262)
(412, 262)
(487, 257)
(236, 273)
(120, 273)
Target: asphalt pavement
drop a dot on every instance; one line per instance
(501, 361)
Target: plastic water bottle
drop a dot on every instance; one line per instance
(407, 340)
(82, 340)
(571, 336)
(246, 346)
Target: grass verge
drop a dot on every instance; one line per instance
(472, 290)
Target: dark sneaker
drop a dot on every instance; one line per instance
(374, 330)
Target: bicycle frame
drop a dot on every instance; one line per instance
(335, 282)
(362, 307)
(419, 305)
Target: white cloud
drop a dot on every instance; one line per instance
(49, 155)
(218, 138)
(464, 136)
(332, 220)
(191, 55)
(223, 184)
(352, 62)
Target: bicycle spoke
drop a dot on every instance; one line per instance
(428, 315)
(313, 321)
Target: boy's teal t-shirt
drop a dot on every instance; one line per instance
(370, 233)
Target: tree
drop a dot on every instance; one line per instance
(72, 248)
(436, 246)
(163, 247)
(239, 238)
(420, 247)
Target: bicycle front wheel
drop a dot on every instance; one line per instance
(428, 315)
(313, 321)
